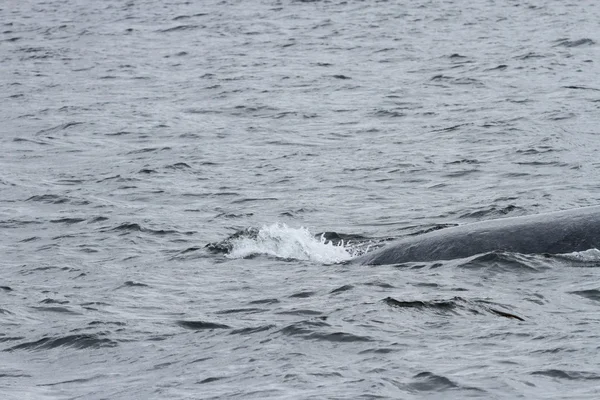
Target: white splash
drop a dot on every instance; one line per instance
(279, 240)
(586, 256)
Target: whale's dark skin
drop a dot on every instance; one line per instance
(552, 233)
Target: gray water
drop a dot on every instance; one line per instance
(133, 133)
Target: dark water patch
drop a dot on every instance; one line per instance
(537, 150)
(281, 115)
(94, 303)
(129, 227)
(62, 310)
(58, 128)
(49, 199)
(440, 305)
(568, 375)
(203, 195)
(109, 178)
(531, 55)
(24, 140)
(383, 285)
(68, 221)
(451, 128)
(378, 350)
(427, 284)
(210, 380)
(77, 381)
(54, 301)
(10, 338)
(147, 171)
(560, 116)
(503, 262)
(303, 294)
(254, 199)
(505, 314)
(69, 182)
(179, 54)
(189, 250)
(307, 326)
(581, 88)
(4, 311)
(147, 150)
(341, 289)
(84, 341)
(120, 133)
(233, 215)
(555, 350)
(311, 330)
(388, 113)
(469, 81)
(251, 330)
(264, 301)
(500, 67)
(159, 338)
(491, 212)
(132, 284)
(454, 306)
(574, 43)
(300, 312)
(592, 294)
(16, 375)
(97, 219)
(463, 161)
(459, 174)
(441, 78)
(178, 166)
(116, 323)
(189, 16)
(59, 237)
(201, 111)
(30, 239)
(338, 337)
(429, 382)
(341, 77)
(543, 163)
(124, 227)
(241, 311)
(201, 325)
(202, 359)
(45, 268)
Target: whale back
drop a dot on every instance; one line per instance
(555, 233)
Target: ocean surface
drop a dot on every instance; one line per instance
(289, 137)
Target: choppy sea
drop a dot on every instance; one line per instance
(291, 136)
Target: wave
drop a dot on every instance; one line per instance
(83, 341)
(454, 306)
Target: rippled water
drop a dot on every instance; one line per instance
(134, 133)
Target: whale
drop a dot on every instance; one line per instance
(557, 232)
